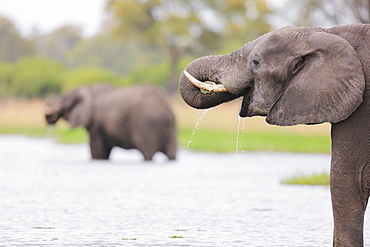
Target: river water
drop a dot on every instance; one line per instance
(54, 195)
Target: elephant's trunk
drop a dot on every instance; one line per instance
(224, 70)
(209, 86)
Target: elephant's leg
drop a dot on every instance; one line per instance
(145, 140)
(148, 155)
(349, 203)
(171, 148)
(171, 152)
(100, 150)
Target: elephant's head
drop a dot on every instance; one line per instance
(291, 75)
(74, 106)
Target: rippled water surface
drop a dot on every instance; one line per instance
(54, 195)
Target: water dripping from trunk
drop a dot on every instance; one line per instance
(50, 130)
(240, 136)
(202, 116)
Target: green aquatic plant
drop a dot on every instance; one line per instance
(314, 179)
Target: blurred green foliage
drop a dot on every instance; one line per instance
(12, 45)
(86, 76)
(5, 78)
(35, 77)
(156, 73)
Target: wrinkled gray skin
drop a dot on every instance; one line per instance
(305, 76)
(137, 117)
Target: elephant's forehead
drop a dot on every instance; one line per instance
(281, 41)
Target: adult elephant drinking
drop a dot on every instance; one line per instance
(303, 76)
(138, 117)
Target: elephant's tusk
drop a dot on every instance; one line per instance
(208, 86)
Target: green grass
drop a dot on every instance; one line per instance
(26, 130)
(62, 134)
(315, 179)
(70, 136)
(225, 141)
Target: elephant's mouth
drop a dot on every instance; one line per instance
(247, 111)
(244, 108)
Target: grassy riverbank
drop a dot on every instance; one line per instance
(217, 132)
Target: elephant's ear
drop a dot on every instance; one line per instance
(81, 112)
(328, 86)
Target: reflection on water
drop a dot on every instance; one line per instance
(53, 195)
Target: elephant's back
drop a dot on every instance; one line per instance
(136, 115)
(151, 106)
(152, 126)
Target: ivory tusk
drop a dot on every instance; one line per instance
(208, 86)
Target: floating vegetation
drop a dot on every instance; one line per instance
(129, 239)
(53, 239)
(42, 227)
(315, 179)
(176, 237)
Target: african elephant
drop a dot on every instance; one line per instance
(138, 117)
(302, 75)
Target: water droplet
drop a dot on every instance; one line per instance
(204, 113)
(240, 136)
(50, 130)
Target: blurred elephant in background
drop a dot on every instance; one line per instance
(137, 117)
(303, 75)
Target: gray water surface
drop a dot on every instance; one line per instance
(54, 195)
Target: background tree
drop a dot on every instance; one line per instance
(326, 12)
(57, 44)
(88, 76)
(12, 45)
(32, 77)
(175, 26)
(105, 52)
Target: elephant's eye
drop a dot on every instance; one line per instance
(255, 62)
(298, 64)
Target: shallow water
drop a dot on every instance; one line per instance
(53, 195)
